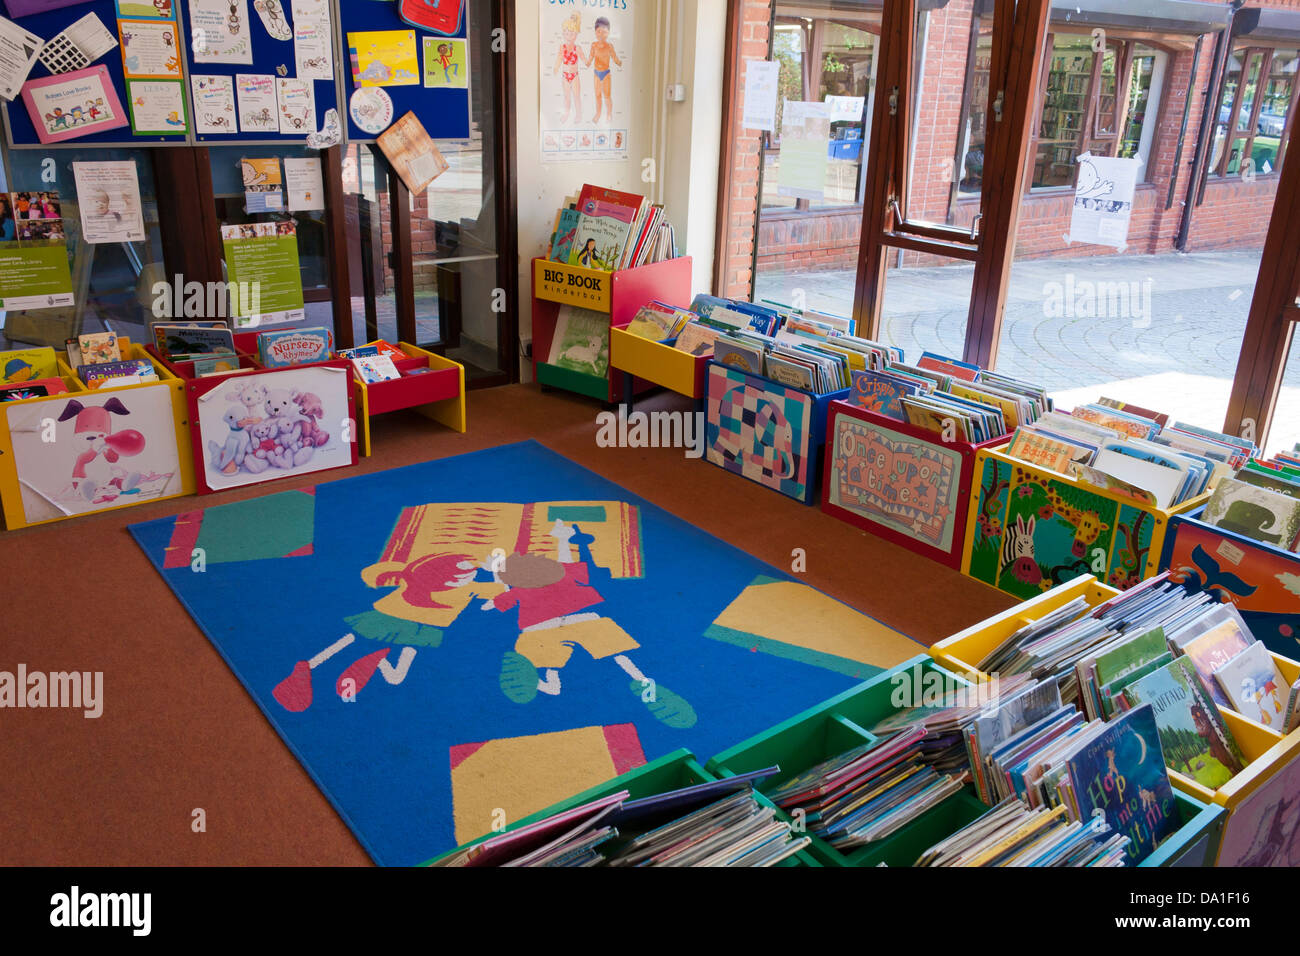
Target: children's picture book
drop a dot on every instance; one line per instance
(116, 374)
(881, 392)
(278, 348)
(729, 350)
(1121, 764)
(36, 388)
(697, 339)
(1255, 512)
(384, 58)
(1213, 649)
(1255, 687)
(208, 338)
(964, 371)
(1193, 736)
(216, 365)
(581, 341)
(375, 368)
(598, 241)
(566, 227)
(24, 365)
(99, 347)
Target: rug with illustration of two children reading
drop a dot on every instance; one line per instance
(495, 632)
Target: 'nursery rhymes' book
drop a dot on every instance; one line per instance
(280, 348)
(1193, 737)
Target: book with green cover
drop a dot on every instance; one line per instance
(1193, 737)
(1130, 655)
(1112, 694)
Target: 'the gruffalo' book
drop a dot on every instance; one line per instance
(1122, 773)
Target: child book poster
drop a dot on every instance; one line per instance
(253, 428)
(587, 75)
(80, 454)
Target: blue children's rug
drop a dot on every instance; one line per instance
(457, 644)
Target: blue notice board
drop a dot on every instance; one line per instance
(443, 108)
(47, 25)
(270, 57)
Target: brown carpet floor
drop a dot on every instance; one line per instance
(179, 733)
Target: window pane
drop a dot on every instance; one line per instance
(1146, 76)
(789, 45)
(1065, 105)
(1285, 433)
(927, 304)
(1107, 103)
(1231, 84)
(971, 152)
(112, 282)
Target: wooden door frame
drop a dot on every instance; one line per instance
(1271, 322)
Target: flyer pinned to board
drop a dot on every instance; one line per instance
(108, 194)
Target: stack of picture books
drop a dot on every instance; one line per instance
(1184, 653)
(97, 357)
(208, 343)
(716, 824)
(374, 362)
(1090, 768)
(951, 398)
(867, 793)
(1262, 502)
(813, 351)
(1133, 452)
(1012, 834)
(608, 229)
(659, 321)
(29, 373)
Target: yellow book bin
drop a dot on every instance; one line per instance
(86, 450)
(1262, 801)
(1029, 529)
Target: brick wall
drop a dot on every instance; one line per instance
(742, 204)
(1233, 212)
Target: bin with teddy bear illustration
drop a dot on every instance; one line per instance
(259, 425)
(1029, 529)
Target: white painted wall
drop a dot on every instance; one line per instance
(678, 41)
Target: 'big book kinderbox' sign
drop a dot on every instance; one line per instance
(572, 285)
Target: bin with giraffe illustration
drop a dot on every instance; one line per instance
(1029, 529)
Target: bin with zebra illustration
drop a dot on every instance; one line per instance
(1029, 529)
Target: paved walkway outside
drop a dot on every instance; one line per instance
(1162, 331)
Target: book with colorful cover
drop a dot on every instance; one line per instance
(280, 348)
(18, 366)
(36, 388)
(1120, 422)
(1277, 481)
(881, 392)
(1160, 418)
(1041, 450)
(176, 340)
(1112, 695)
(1255, 686)
(95, 376)
(955, 368)
(1254, 512)
(696, 338)
(1127, 657)
(1123, 764)
(375, 368)
(566, 227)
(216, 365)
(1212, 650)
(98, 348)
(1193, 737)
(359, 351)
